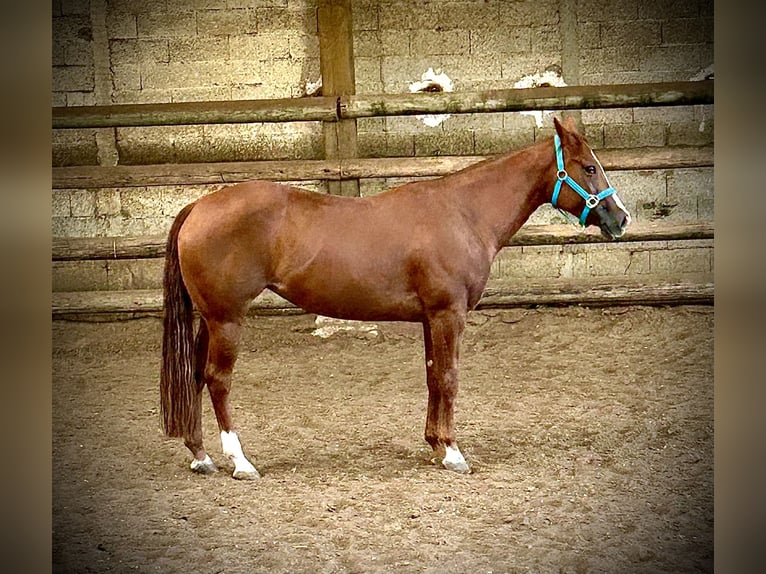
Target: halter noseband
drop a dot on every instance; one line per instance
(562, 176)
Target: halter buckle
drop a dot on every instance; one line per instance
(592, 201)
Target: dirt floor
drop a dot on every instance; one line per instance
(589, 431)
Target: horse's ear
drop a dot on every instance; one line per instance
(560, 129)
(568, 130)
(558, 126)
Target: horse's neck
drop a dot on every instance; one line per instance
(501, 194)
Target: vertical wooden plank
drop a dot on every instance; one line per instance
(336, 62)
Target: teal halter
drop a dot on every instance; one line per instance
(562, 176)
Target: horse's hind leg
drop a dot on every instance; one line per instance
(193, 441)
(222, 354)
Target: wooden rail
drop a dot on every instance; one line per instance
(89, 248)
(333, 109)
(524, 99)
(498, 294)
(303, 170)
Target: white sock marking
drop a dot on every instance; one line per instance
(453, 457)
(233, 449)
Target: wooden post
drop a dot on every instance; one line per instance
(336, 62)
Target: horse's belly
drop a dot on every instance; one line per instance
(344, 298)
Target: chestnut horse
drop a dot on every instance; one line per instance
(420, 252)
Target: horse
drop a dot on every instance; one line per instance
(420, 252)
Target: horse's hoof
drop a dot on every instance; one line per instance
(454, 460)
(461, 467)
(246, 474)
(205, 466)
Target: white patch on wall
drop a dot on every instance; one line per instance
(704, 74)
(547, 78)
(430, 81)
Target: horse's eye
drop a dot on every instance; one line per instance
(590, 169)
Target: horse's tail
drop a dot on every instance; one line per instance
(177, 384)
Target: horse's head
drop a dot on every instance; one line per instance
(582, 188)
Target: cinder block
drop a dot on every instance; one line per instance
(140, 202)
(444, 143)
(126, 77)
(638, 187)
(681, 59)
(142, 96)
(304, 46)
(375, 43)
(684, 183)
(526, 13)
(134, 274)
(123, 51)
(78, 52)
(634, 135)
(611, 59)
(503, 41)
(683, 31)
(197, 49)
(430, 16)
(607, 262)
(473, 122)
(74, 147)
(640, 263)
(170, 24)
(692, 133)
(73, 79)
(179, 144)
(80, 99)
(661, 9)
(501, 141)
(79, 276)
(71, 28)
(108, 202)
(300, 19)
(82, 203)
(434, 42)
(607, 10)
(218, 93)
(60, 204)
(546, 41)
(121, 25)
(663, 114)
(515, 67)
(225, 22)
(641, 33)
(185, 74)
(674, 261)
(367, 75)
(365, 15)
(589, 34)
(58, 99)
(265, 46)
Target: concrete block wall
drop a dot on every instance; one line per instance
(133, 51)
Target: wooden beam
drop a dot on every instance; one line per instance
(345, 107)
(524, 99)
(193, 113)
(89, 248)
(336, 61)
(499, 294)
(75, 177)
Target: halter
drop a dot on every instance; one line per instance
(562, 176)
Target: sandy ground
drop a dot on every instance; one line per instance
(589, 431)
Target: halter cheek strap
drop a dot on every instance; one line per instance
(562, 177)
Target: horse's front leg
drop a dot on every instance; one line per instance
(441, 335)
(222, 354)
